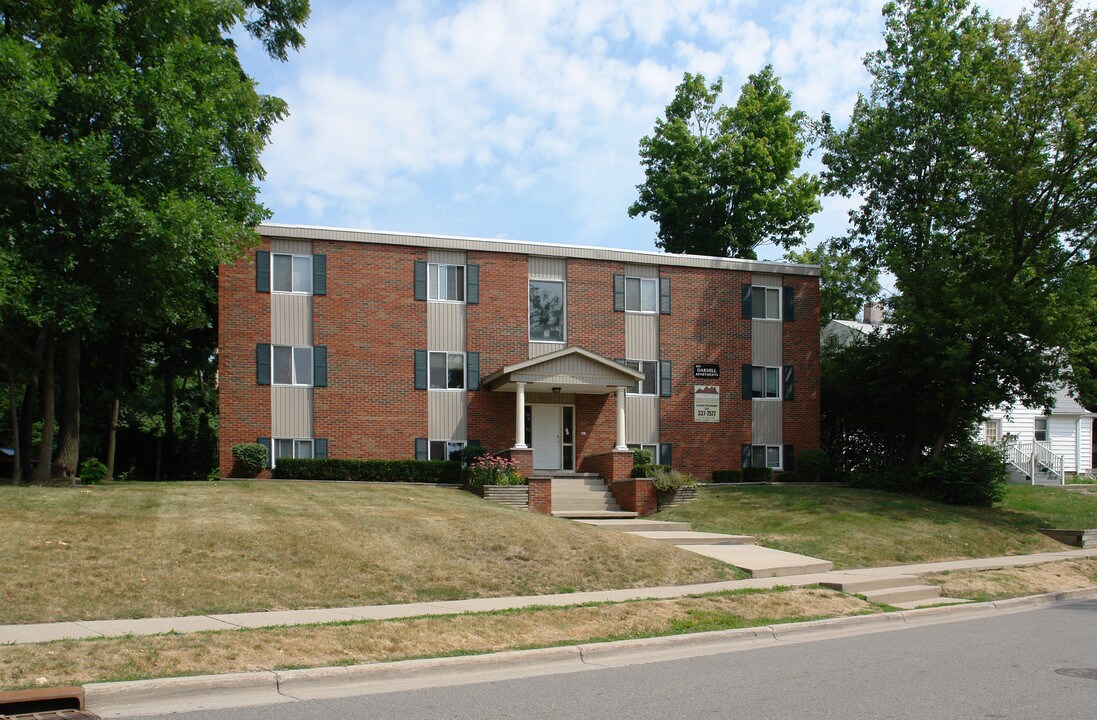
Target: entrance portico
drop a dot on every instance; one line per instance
(570, 371)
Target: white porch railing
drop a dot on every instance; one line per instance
(1030, 458)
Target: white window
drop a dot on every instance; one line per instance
(653, 449)
(444, 449)
(765, 382)
(546, 311)
(641, 295)
(765, 303)
(291, 273)
(291, 448)
(292, 365)
(992, 431)
(446, 282)
(766, 456)
(446, 371)
(1041, 429)
(650, 384)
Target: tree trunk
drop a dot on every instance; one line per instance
(68, 445)
(169, 410)
(116, 401)
(17, 465)
(45, 449)
(30, 404)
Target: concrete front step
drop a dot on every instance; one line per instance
(593, 514)
(578, 482)
(762, 562)
(687, 537)
(859, 583)
(909, 593)
(640, 525)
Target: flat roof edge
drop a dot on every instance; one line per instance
(450, 242)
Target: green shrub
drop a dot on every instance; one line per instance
(757, 474)
(727, 476)
(214, 475)
(812, 465)
(494, 470)
(966, 474)
(417, 471)
(666, 480)
(640, 456)
(645, 471)
(468, 453)
(251, 458)
(92, 472)
(785, 477)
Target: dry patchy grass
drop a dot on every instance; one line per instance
(1017, 582)
(167, 549)
(82, 661)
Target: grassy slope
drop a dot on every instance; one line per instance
(139, 550)
(863, 528)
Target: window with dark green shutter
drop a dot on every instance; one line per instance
(262, 364)
(788, 459)
(265, 442)
(472, 290)
(664, 378)
(320, 448)
(789, 298)
(420, 369)
(618, 293)
(747, 309)
(664, 296)
(319, 274)
(665, 456)
(787, 378)
(320, 366)
(422, 449)
(262, 271)
(472, 368)
(420, 280)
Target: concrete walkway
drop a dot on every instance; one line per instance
(45, 632)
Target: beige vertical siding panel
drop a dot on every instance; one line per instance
(765, 280)
(644, 271)
(294, 247)
(766, 422)
(291, 412)
(536, 349)
(641, 337)
(641, 420)
(446, 413)
(290, 319)
(446, 326)
(765, 342)
(543, 268)
(446, 257)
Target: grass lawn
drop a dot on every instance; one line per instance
(867, 528)
(167, 549)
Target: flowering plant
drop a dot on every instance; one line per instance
(494, 470)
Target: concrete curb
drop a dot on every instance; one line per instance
(124, 699)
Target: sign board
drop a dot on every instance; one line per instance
(706, 403)
(706, 370)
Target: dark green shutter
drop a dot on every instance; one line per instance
(420, 369)
(788, 296)
(664, 296)
(748, 388)
(747, 293)
(320, 448)
(265, 442)
(262, 364)
(262, 271)
(320, 366)
(472, 284)
(473, 443)
(319, 274)
(787, 391)
(788, 458)
(422, 449)
(472, 370)
(420, 279)
(618, 293)
(665, 454)
(746, 456)
(664, 378)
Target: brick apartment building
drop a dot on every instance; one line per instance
(354, 344)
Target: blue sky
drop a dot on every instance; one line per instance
(522, 119)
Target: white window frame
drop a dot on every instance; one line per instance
(653, 447)
(293, 259)
(434, 293)
(766, 293)
(563, 312)
(639, 390)
(992, 431)
(293, 366)
(1036, 428)
(298, 444)
(448, 355)
(450, 447)
(767, 370)
(765, 456)
(653, 283)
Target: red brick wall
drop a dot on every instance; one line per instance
(613, 465)
(243, 321)
(636, 495)
(705, 327)
(372, 325)
(592, 323)
(540, 495)
(800, 338)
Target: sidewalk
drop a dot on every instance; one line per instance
(46, 632)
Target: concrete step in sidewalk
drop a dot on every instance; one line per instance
(688, 537)
(908, 593)
(762, 562)
(640, 525)
(593, 514)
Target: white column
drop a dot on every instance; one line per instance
(520, 416)
(621, 420)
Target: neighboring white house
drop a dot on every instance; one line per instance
(1044, 446)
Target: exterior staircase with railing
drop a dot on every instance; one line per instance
(1034, 464)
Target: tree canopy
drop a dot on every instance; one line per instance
(722, 180)
(845, 284)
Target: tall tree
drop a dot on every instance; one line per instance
(845, 284)
(976, 157)
(135, 165)
(722, 180)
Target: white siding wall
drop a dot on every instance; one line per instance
(1086, 436)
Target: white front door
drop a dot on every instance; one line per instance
(547, 423)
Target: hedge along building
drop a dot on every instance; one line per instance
(355, 344)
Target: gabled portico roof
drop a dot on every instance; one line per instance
(570, 370)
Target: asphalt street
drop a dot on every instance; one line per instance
(1037, 664)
